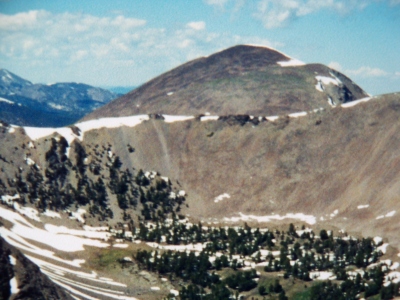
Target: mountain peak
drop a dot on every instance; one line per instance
(7, 78)
(245, 56)
(252, 49)
(244, 79)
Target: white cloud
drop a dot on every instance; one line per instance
(235, 5)
(21, 20)
(335, 65)
(363, 71)
(104, 51)
(197, 25)
(278, 13)
(78, 55)
(397, 73)
(218, 3)
(367, 71)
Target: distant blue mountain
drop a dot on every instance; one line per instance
(59, 104)
(121, 90)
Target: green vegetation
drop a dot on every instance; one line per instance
(299, 255)
(68, 181)
(229, 261)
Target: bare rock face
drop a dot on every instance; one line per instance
(239, 80)
(28, 281)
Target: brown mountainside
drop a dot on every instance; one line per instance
(336, 159)
(242, 79)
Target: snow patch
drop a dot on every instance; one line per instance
(299, 216)
(395, 266)
(322, 275)
(331, 103)
(189, 247)
(22, 244)
(291, 63)
(6, 100)
(150, 175)
(56, 106)
(390, 214)
(170, 93)
(36, 133)
(12, 259)
(171, 118)
(319, 86)
(362, 206)
(63, 242)
(393, 277)
(383, 248)
(29, 161)
(30, 212)
(99, 228)
(353, 103)
(57, 274)
(120, 245)
(327, 80)
(298, 114)
(272, 118)
(130, 121)
(337, 79)
(209, 118)
(14, 286)
(9, 200)
(51, 214)
(334, 214)
(221, 197)
(78, 215)
(75, 232)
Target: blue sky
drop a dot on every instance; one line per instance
(127, 42)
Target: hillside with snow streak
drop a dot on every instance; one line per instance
(244, 79)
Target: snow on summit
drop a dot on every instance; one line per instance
(292, 62)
